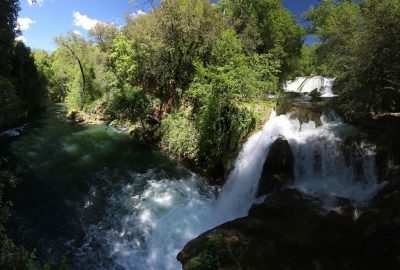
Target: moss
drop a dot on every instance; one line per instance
(213, 249)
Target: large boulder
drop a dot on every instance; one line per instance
(278, 168)
(288, 231)
(277, 234)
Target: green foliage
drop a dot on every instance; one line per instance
(336, 25)
(104, 34)
(169, 40)
(133, 103)
(311, 63)
(43, 63)
(242, 78)
(265, 26)
(13, 256)
(81, 72)
(9, 102)
(218, 110)
(122, 60)
(180, 136)
(360, 44)
(30, 85)
(8, 31)
(23, 89)
(223, 124)
(211, 250)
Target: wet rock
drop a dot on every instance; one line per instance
(355, 148)
(305, 112)
(277, 170)
(289, 231)
(315, 95)
(378, 231)
(277, 234)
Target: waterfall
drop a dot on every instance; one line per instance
(308, 84)
(323, 168)
(152, 215)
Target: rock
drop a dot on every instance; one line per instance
(288, 231)
(305, 112)
(355, 148)
(75, 116)
(277, 171)
(277, 234)
(315, 95)
(378, 231)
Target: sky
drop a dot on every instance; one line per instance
(42, 21)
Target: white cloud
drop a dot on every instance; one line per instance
(138, 13)
(77, 33)
(25, 23)
(21, 38)
(39, 2)
(84, 21)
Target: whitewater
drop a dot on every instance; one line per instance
(151, 218)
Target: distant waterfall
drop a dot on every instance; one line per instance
(308, 84)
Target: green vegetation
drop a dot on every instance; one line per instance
(185, 74)
(360, 44)
(13, 256)
(196, 77)
(23, 88)
(215, 247)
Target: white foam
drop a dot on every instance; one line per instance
(13, 132)
(321, 168)
(152, 217)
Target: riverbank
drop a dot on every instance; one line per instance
(176, 135)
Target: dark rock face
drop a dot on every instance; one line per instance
(277, 234)
(278, 168)
(288, 231)
(315, 95)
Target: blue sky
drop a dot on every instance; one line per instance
(43, 21)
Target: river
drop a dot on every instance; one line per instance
(107, 202)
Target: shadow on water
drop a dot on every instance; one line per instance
(62, 162)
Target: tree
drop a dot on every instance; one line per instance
(81, 71)
(43, 62)
(337, 26)
(169, 40)
(122, 60)
(103, 35)
(222, 95)
(361, 40)
(265, 26)
(8, 31)
(30, 85)
(70, 42)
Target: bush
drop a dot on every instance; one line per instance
(180, 136)
(9, 103)
(132, 103)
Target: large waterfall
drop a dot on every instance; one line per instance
(141, 208)
(151, 217)
(323, 166)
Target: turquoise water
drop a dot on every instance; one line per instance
(100, 198)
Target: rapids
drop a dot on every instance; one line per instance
(108, 202)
